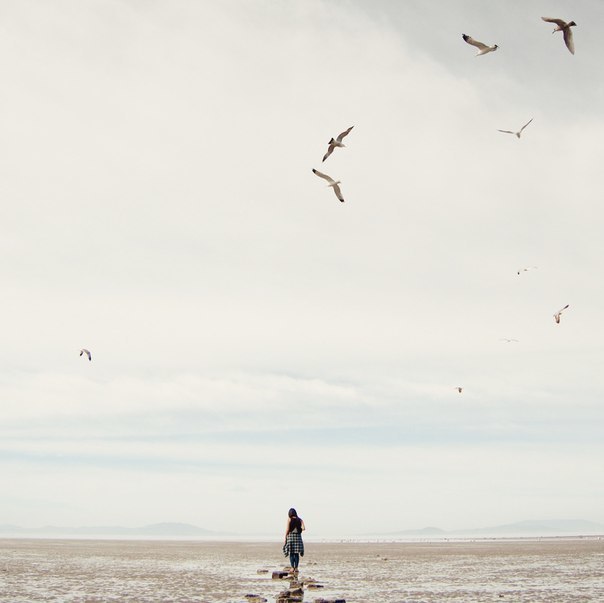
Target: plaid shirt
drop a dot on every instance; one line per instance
(293, 544)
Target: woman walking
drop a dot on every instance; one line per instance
(293, 546)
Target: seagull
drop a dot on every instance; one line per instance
(519, 131)
(482, 48)
(508, 340)
(557, 315)
(565, 28)
(87, 352)
(332, 183)
(459, 389)
(526, 269)
(336, 143)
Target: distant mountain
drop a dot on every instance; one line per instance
(539, 527)
(165, 530)
(544, 527)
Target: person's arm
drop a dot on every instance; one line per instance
(302, 526)
(287, 528)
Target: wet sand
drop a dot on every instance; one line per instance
(90, 571)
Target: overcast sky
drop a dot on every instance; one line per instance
(256, 343)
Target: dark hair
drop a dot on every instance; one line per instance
(295, 523)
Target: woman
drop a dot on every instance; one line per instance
(293, 546)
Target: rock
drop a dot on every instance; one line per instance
(329, 600)
(279, 575)
(255, 599)
(314, 585)
(262, 571)
(289, 596)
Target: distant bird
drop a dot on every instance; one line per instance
(565, 28)
(519, 131)
(508, 340)
(459, 389)
(87, 352)
(482, 48)
(558, 314)
(333, 183)
(526, 269)
(336, 143)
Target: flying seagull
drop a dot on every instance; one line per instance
(557, 315)
(336, 143)
(508, 340)
(332, 183)
(459, 389)
(519, 131)
(87, 352)
(482, 48)
(565, 28)
(526, 269)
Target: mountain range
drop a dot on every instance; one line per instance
(157, 530)
(538, 527)
(559, 527)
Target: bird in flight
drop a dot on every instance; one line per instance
(526, 269)
(87, 352)
(565, 28)
(558, 314)
(508, 340)
(331, 182)
(482, 48)
(336, 143)
(459, 389)
(517, 134)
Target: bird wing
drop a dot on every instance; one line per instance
(562, 309)
(558, 22)
(474, 42)
(526, 124)
(507, 131)
(345, 133)
(324, 176)
(568, 40)
(338, 192)
(330, 149)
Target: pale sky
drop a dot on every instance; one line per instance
(258, 345)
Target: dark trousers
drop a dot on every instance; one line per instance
(294, 560)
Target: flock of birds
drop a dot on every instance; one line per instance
(565, 28)
(335, 143)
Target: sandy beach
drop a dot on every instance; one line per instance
(486, 570)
